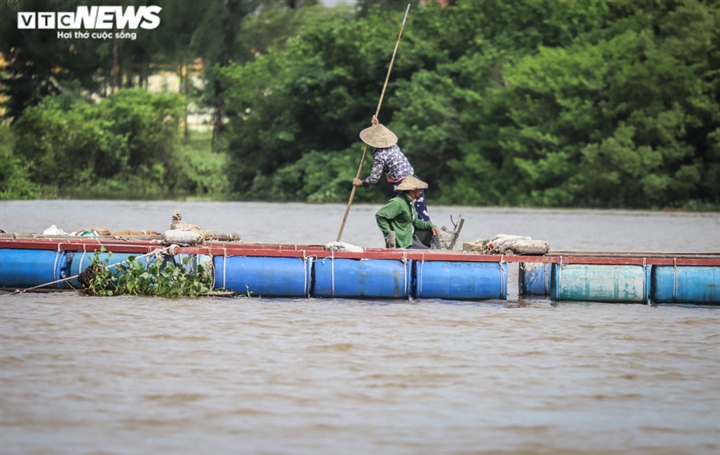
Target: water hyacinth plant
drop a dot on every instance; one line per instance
(162, 278)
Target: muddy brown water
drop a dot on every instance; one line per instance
(133, 375)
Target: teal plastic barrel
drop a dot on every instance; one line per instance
(460, 280)
(600, 283)
(686, 284)
(534, 278)
(361, 279)
(28, 268)
(263, 276)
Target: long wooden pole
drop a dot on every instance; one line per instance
(377, 111)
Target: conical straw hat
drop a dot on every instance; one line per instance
(411, 183)
(378, 136)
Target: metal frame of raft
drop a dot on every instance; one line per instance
(296, 271)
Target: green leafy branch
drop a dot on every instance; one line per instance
(157, 278)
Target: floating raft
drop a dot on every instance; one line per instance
(309, 271)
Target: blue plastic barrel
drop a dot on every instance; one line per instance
(195, 260)
(534, 278)
(29, 268)
(601, 283)
(460, 280)
(80, 260)
(263, 276)
(685, 284)
(366, 278)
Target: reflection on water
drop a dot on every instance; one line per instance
(145, 375)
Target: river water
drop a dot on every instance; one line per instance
(135, 375)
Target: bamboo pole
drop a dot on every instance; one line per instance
(377, 112)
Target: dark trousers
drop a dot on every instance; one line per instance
(421, 239)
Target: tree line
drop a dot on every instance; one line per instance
(592, 103)
(79, 121)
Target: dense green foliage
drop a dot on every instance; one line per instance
(624, 117)
(126, 136)
(129, 132)
(14, 183)
(133, 277)
(125, 145)
(593, 103)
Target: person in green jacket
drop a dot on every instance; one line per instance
(399, 215)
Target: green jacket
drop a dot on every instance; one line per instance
(399, 215)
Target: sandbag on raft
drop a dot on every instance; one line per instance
(183, 238)
(186, 234)
(509, 244)
(342, 246)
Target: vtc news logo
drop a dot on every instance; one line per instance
(95, 17)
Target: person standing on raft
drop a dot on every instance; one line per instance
(388, 158)
(399, 215)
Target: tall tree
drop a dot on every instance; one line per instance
(37, 60)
